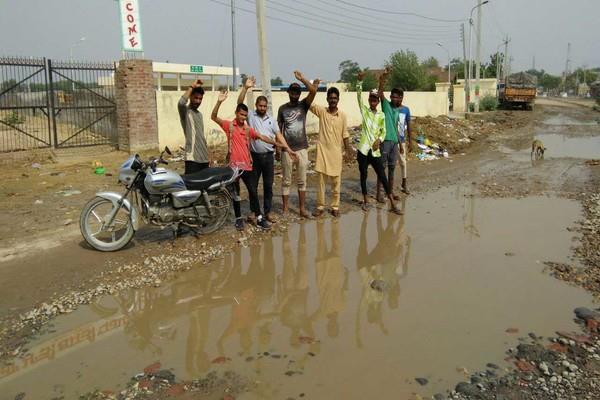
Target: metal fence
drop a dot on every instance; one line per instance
(46, 103)
(24, 104)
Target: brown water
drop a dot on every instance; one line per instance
(456, 272)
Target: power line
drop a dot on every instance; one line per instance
(394, 24)
(496, 22)
(344, 24)
(412, 14)
(364, 38)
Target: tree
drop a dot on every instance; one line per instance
(406, 71)
(491, 67)
(549, 82)
(431, 62)
(458, 68)
(370, 81)
(276, 81)
(348, 70)
(11, 83)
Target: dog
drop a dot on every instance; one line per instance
(537, 149)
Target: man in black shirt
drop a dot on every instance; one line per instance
(292, 124)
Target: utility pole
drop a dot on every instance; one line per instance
(468, 77)
(466, 85)
(265, 67)
(505, 66)
(498, 63)
(568, 62)
(478, 57)
(235, 86)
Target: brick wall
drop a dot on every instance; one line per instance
(136, 106)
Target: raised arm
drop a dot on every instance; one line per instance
(382, 79)
(312, 87)
(250, 82)
(215, 112)
(194, 85)
(182, 104)
(359, 78)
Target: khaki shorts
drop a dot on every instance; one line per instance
(287, 165)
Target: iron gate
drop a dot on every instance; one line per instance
(83, 102)
(61, 104)
(24, 104)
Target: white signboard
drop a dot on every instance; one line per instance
(131, 28)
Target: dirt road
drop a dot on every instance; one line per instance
(367, 305)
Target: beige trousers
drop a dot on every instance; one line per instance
(335, 182)
(402, 160)
(287, 164)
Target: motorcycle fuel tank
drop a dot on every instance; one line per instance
(163, 181)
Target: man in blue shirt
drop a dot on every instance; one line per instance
(397, 136)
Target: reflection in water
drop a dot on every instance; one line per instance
(319, 310)
(262, 294)
(380, 270)
(332, 278)
(469, 216)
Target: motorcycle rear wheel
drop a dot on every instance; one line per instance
(97, 234)
(221, 203)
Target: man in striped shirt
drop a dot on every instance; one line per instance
(196, 149)
(371, 136)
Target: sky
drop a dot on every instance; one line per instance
(199, 32)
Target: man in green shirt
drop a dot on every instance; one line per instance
(397, 134)
(371, 136)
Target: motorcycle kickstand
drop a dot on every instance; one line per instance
(177, 231)
(196, 233)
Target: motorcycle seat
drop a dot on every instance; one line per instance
(202, 180)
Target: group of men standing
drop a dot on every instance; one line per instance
(255, 139)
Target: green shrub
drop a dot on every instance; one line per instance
(488, 103)
(14, 118)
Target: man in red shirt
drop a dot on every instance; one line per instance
(238, 136)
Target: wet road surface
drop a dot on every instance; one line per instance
(348, 308)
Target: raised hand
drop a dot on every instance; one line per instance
(250, 82)
(222, 96)
(385, 74)
(316, 82)
(298, 75)
(197, 83)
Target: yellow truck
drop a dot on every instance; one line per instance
(518, 91)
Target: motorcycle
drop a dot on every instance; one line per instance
(200, 201)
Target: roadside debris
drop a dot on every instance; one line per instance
(564, 368)
(161, 384)
(587, 276)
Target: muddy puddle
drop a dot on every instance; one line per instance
(348, 309)
(563, 137)
(560, 146)
(562, 119)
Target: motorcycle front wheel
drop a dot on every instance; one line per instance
(95, 231)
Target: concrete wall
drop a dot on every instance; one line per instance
(459, 99)
(442, 86)
(170, 132)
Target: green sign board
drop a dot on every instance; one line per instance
(196, 68)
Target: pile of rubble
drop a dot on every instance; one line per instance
(565, 367)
